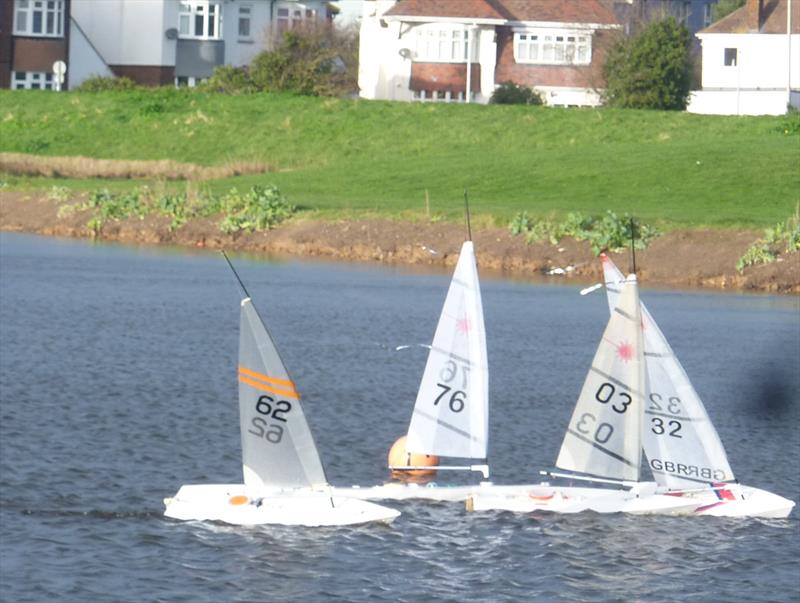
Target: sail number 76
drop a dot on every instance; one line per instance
(457, 398)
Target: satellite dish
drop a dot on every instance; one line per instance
(171, 33)
(404, 52)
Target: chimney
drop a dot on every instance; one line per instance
(755, 10)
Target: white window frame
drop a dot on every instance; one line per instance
(438, 96)
(289, 15)
(552, 47)
(730, 57)
(443, 44)
(31, 80)
(244, 15)
(49, 12)
(189, 11)
(188, 81)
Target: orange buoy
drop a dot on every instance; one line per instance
(237, 500)
(400, 457)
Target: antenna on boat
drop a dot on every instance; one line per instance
(466, 208)
(236, 274)
(633, 246)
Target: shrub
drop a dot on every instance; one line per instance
(317, 60)
(261, 208)
(509, 93)
(650, 70)
(605, 233)
(228, 79)
(102, 83)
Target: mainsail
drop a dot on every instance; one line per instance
(451, 412)
(604, 434)
(278, 449)
(680, 442)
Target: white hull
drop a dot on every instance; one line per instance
(411, 491)
(239, 505)
(746, 502)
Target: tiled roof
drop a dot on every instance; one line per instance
(773, 19)
(559, 11)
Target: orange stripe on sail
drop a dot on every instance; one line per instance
(267, 388)
(261, 377)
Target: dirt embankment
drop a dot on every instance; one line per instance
(679, 259)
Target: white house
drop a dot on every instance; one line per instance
(751, 61)
(445, 50)
(157, 42)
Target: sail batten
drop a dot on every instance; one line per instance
(450, 417)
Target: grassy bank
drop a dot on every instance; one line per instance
(341, 156)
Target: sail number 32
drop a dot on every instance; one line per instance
(266, 406)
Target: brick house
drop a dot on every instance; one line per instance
(751, 61)
(439, 49)
(34, 34)
(154, 42)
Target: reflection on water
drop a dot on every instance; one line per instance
(117, 385)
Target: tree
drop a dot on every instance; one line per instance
(650, 70)
(318, 60)
(725, 7)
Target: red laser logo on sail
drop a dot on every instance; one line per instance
(625, 351)
(462, 325)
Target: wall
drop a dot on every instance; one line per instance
(763, 61)
(743, 102)
(129, 33)
(84, 60)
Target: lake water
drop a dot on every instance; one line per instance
(118, 384)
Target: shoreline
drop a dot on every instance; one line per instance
(680, 259)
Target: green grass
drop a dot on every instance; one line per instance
(343, 157)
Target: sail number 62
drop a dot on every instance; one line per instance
(268, 407)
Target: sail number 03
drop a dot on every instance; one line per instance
(268, 407)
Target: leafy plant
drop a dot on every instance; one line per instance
(757, 253)
(261, 208)
(228, 79)
(784, 234)
(58, 193)
(651, 69)
(509, 93)
(521, 223)
(102, 84)
(605, 233)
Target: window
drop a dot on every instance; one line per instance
(439, 45)
(441, 96)
(200, 20)
(31, 80)
(292, 15)
(707, 14)
(686, 12)
(187, 81)
(553, 47)
(39, 18)
(731, 57)
(245, 10)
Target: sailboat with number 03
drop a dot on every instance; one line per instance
(284, 481)
(637, 396)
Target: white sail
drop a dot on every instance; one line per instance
(680, 442)
(604, 434)
(451, 412)
(278, 449)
